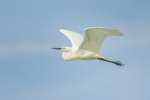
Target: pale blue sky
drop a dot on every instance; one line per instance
(30, 70)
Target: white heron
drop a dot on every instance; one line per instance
(87, 47)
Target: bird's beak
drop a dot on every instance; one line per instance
(57, 48)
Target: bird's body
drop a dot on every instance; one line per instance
(79, 55)
(87, 48)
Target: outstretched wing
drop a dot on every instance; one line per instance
(75, 38)
(94, 36)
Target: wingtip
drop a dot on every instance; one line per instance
(61, 29)
(120, 33)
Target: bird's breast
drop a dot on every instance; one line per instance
(84, 55)
(79, 55)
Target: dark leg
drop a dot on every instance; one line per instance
(114, 62)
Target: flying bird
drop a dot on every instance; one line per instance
(87, 47)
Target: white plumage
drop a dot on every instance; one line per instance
(87, 47)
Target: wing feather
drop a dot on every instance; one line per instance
(94, 37)
(75, 38)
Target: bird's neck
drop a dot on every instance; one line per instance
(66, 55)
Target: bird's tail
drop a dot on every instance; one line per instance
(114, 62)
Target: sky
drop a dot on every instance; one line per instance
(31, 70)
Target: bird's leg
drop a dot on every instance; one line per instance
(114, 62)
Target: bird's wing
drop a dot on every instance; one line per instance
(94, 36)
(75, 38)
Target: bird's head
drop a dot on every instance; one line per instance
(64, 49)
